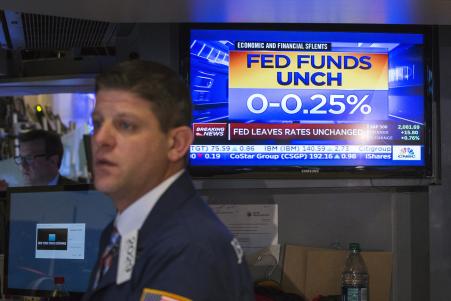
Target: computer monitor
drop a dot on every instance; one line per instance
(311, 100)
(53, 231)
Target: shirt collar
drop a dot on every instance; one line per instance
(54, 181)
(133, 217)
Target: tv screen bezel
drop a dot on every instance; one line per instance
(430, 170)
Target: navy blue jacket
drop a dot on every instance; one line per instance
(184, 249)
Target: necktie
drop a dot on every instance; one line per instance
(107, 256)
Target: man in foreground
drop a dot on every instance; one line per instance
(171, 245)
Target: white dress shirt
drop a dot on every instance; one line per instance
(133, 217)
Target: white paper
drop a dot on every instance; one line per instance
(255, 226)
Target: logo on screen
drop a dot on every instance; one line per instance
(407, 152)
(51, 239)
(210, 130)
(412, 152)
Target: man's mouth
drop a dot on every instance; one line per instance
(101, 162)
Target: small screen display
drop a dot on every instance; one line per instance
(54, 233)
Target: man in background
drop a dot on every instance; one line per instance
(41, 153)
(172, 246)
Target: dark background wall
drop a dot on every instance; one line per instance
(439, 200)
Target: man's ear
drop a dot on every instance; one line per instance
(180, 139)
(54, 159)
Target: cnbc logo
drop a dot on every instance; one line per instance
(406, 152)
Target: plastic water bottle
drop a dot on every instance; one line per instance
(59, 292)
(354, 279)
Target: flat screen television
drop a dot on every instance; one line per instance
(312, 100)
(53, 231)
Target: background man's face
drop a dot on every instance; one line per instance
(42, 169)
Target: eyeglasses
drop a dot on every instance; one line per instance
(20, 160)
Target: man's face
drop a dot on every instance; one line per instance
(42, 169)
(130, 152)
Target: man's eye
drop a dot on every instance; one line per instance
(125, 125)
(96, 124)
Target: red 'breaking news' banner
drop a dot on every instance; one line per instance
(210, 130)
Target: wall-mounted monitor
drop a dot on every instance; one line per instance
(53, 232)
(329, 100)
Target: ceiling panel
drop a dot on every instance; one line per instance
(274, 11)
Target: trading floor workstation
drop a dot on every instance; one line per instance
(308, 136)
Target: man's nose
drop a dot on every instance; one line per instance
(104, 135)
(24, 165)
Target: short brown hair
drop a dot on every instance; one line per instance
(52, 142)
(156, 83)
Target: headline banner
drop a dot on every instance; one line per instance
(283, 85)
(308, 70)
